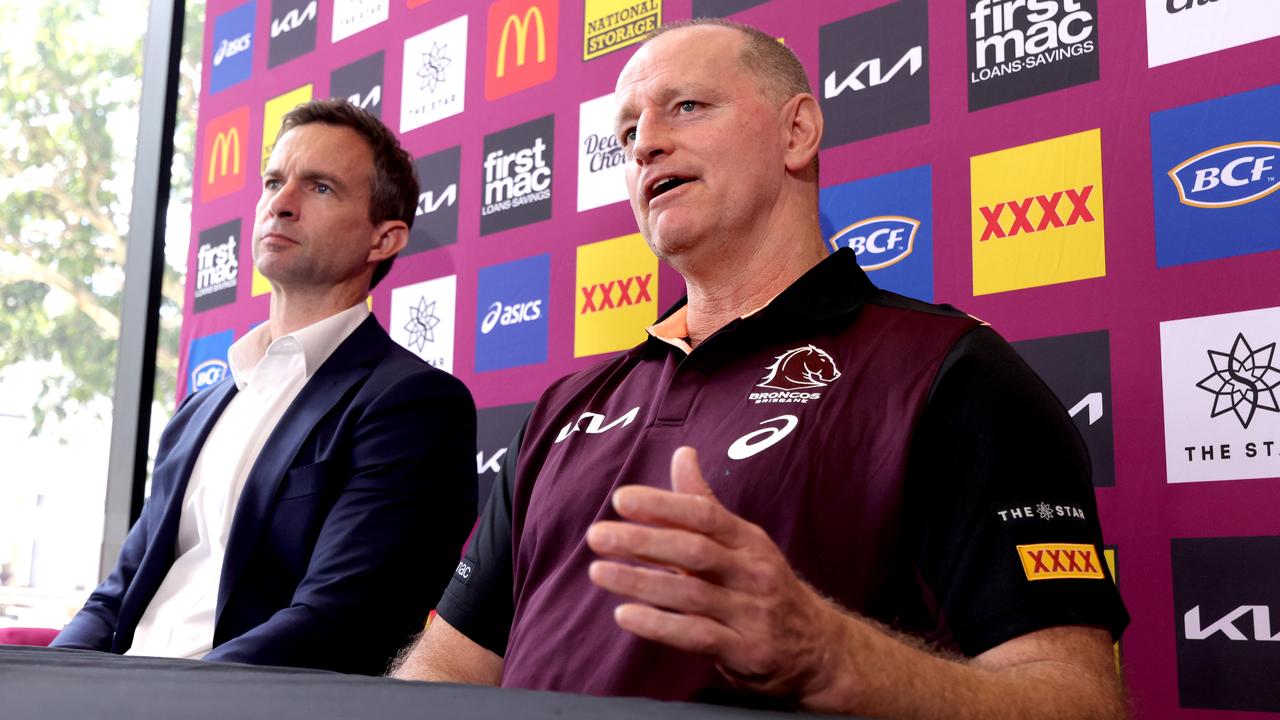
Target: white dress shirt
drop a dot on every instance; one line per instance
(269, 374)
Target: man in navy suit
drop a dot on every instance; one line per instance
(308, 509)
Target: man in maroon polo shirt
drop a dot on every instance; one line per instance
(888, 513)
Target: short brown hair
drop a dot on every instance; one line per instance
(778, 71)
(393, 186)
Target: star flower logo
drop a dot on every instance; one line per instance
(1044, 511)
(434, 64)
(422, 324)
(1243, 381)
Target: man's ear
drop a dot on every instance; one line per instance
(389, 238)
(802, 120)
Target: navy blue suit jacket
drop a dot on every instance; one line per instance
(348, 528)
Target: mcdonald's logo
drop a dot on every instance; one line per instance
(225, 144)
(522, 45)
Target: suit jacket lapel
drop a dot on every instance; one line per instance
(351, 362)
(206, 410)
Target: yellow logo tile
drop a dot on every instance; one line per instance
(261, 286)
(273, 112)
(1037, 214)
(616, 295)
(611, 25)
(1056, 561)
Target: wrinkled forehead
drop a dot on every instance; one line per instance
(694, 59)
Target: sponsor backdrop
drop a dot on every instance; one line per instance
(1095, 178)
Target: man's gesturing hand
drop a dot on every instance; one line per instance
(722, 587)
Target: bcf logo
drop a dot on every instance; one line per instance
(207, 360)
(522, 45)
(1228, 176)
(879, 241)
(511, 302)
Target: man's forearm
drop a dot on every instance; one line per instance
(873, 671)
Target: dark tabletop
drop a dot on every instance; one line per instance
(48, 683)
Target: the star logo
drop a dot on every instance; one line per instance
(434, 64)
(1044, 511)
(1243, 381)
(422, 324)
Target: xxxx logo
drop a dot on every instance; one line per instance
(616, 293)
(1055, 561)
(1045, 206)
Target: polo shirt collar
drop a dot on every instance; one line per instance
(834, 287)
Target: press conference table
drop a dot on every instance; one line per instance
(48, 684)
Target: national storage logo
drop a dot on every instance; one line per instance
(1037, 214)
(207, 361)
(232, 58)
(522, 45)
(1221, 383)
(1215, 168)
(225, 152)
(887, 221)
(217, 266)
(273, 113)
(614, 24)
(616, 297)
(360, 83)
(875, 72)
(1226, 599)
(435, 222)
(293, 30)
(512, 311)
(1019, 49)
(516, 175)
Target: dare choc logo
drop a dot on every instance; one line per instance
(225, 150)
(495, 428)
(602, 167)
(360, 83)
(1221, 378)
(1216, 170)
(435, 222)
(207, 361)
(1037, 214)
(522, 45)
(1021, 48)
(1226, 599)
(614, 24)
(232, 60)
(617, 295)
(888, 222)
(511, 310)
(875, 72)
(1181, 29)
(516, 176)
(1077, 368)
(217, 266)
(293, 30)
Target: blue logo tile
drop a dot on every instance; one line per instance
(511, 310)
(232, 59)
(888, 222)
(207, 361)
(1216, 169)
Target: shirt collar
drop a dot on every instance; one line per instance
(316, 342)
(833, 287)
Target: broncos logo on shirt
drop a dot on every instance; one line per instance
(802, 367)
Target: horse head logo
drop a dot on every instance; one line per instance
(802, 367)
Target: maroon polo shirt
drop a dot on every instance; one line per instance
(908, 464)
